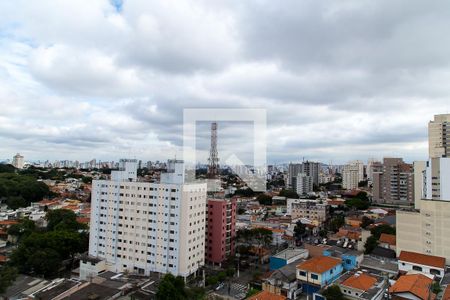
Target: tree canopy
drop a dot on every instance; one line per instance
(264, 199)
(383, 228)
(20, 190)
(333, 292)
(288, 194)
(371, 243)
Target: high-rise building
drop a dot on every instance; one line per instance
(439, 136)
(373, 166)
(311, 169)
(352, 174)
(18, 161)
(395, 184)
(220, 229)
(143, 227)
(302, 184)
(427, 228)
(419, 168)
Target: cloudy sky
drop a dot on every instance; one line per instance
(339, 79)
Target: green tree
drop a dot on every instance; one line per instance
(7, 277)
(383, 228)
(323, 233)
(62, 219)
(357, 203)
(299, 230)
(264, 199)
(366, 221)
(15, 202)
(23, 229)
(171, 288)
(371, 243)
(336, 222)
(333, 292)
(289, 194)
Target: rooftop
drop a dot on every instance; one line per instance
(416, 284)
(446, 295)
(290, 253)
(266, 295)
(319, 264)
(388, 239)
(422, 259)
(93, 291)
(361, 282)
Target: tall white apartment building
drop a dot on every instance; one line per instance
(427, 229)
(352, 174)
(143, 227)
(18, 161)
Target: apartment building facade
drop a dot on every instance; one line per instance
(312, 210)
(220, 230)
(352, 174)
(395, 184)
(142, 227)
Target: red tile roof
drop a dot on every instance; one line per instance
(8, 222)
(416, 284)
(422, 259)
(388, 239)
(3, 259)
(446, 295)
(361, 282)
(319, 264)
(266, 295)
(83, 220)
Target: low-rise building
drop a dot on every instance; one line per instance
(362, 285)
(283, 281)
(318, 272)
(312, 210)
(429, 265)
(351, 259)
(266, 295)
(413, 286)
(286, 257)
(388, 241)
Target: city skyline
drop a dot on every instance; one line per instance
(117, 85)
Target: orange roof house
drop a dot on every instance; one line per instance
(266, 295)
(422, 259)
(389, 239)
(446, 295)
(319, 264)
(416, 284)
(361, 282)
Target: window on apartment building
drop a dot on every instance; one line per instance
(314, 276)
(417, 268)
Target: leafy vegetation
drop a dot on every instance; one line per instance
(336, 222)
(43, 253)
(21, 190)
(174, 288)
(361, 201)
(371, 243)
(299, 230)
(366, 221)
(333, 292)
(7, 276)
(289, 194)
(264, 199)
(384, 228)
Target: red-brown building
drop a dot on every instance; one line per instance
(220, 230)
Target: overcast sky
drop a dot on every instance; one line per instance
(108, 79)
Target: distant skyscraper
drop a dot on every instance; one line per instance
(18, 161)
(352, 174)
(213, 160)
(303, 184)
(309, 168)
(439, 136)
(143, 227)
(395, 184)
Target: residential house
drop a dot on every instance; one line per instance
(266, 295)
(318, 272)
(351, 259)
(286, 257)
(283, 281)
(429, 265)
(388, 241)
(412, 286)
(362, 285)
